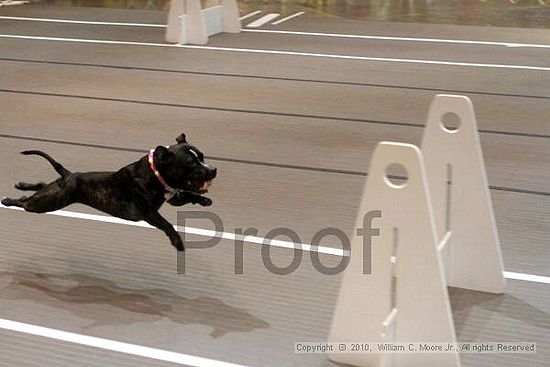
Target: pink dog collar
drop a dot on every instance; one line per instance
(170, 191)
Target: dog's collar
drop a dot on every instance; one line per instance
(169, 190)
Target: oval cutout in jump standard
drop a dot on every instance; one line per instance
(396, 175)
(450, 122)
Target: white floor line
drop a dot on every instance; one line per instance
(249, 15)
(288, 18)
(527, 277)
(401, 39)
(252, 239)
(316, 34)
(263, 20)
(199, 232)
(112, 345)
(12, 3)
(280, 52)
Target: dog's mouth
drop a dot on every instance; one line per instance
(200, 187)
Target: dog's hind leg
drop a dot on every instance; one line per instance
(14, 202)
(42, 202)
(50, 198)
(30, 187)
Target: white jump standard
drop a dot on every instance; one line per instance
(189, 23)
(431, 234)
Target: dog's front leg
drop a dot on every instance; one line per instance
(156, 220)
(182, 198)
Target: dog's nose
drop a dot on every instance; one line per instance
(212, 172)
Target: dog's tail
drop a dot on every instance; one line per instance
(56, 165)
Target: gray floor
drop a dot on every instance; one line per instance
(291, 137)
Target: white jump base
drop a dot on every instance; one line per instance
(189, 23)
(431, 235)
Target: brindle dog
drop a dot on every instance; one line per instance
(176, 174)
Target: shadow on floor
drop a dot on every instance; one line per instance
(105, 303)
(464, 302)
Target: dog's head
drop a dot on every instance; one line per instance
(182, 166)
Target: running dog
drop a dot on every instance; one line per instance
(176, 174)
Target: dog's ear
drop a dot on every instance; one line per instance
(163, 155)
(181, 139)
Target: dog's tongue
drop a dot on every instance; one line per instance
(206, 185)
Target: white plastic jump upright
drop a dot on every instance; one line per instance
(473, 260)
(436, 229)
(189, 23)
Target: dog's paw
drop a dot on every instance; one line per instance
(6, 202)
(178, 244)
(205, 201)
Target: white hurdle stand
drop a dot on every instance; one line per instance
(189, 23)
(431, 235)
